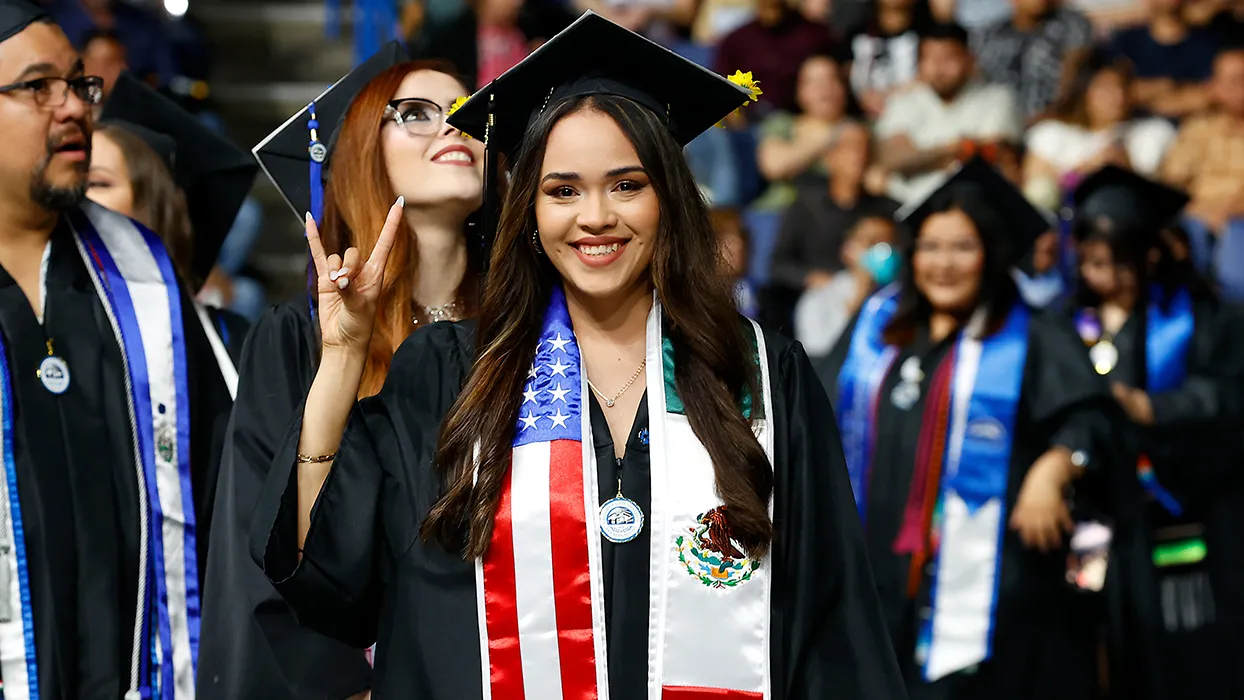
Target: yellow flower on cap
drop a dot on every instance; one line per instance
(454, 108)
(744, 80)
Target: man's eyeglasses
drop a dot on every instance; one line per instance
(53, 92)
(417, 116)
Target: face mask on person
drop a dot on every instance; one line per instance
(882, 263)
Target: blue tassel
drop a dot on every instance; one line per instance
(318, 155)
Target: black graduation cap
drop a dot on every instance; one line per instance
(1127, 200)
(594, 56)
(214, 174)
(16, 15)
(1022, 221)
(286, 156)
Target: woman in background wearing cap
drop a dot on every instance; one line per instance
(677, 521)
(1177, 370)
(966, 416)
(389, 139)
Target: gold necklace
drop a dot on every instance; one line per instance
(608, 401)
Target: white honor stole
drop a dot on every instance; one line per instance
(540, 592)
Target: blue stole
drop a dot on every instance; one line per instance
(971, 512)
(135, 280)
(1168, 336)
(26, 677)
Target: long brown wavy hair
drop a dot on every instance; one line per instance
(159, 204)
(714, 357)
(357, 198)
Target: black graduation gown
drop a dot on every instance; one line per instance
(1044, 640)
(76, 477)
(253, 647)
(365, 574)
(1195, 447)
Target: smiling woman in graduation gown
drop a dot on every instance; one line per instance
(254, 647)
(962, 431)
(688, 613)
(1177, 371)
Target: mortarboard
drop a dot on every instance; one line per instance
(288, 155)
(1022, 221)
(594, 56)
(16, 15)
(214, 174)
(1126, 200)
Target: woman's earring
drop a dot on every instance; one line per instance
(535, 242)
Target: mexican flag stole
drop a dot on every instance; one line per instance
(540, 592)
(971, 501)
(134, 279)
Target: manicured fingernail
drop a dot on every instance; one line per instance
(309, 219)
(401, 201)
(343, 283)
(343, 272)
(333, 275)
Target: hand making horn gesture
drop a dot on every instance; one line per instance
(348, 287)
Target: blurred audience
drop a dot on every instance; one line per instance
(488, 37)
(792, 147)
(1094, 125)
(869, 260)
(883, 53)
(147, 49)
(732, 239)
(809, 245)
(1173, 59)
(772, 47)
(1207, 160)
(925, 129)
(1034, 52)
(103, 54)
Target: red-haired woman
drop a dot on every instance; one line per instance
(393, 142)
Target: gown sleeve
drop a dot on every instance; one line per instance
(1214, 387)
(355, 535)
(827, 616)
(253, 647)
(1063, 395)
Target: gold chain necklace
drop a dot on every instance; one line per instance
(608, 401)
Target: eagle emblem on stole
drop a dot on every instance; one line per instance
(709, 554)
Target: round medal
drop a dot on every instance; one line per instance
(905, 395)
(621, 520)
(1104, 356)
(54, 374)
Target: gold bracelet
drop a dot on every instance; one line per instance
(308, 459)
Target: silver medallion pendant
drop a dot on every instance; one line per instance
(54, 373)
(907, 392)
(621, 519)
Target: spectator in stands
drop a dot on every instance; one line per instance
(883, 54)
(103, 54)
(715, 19)
(869, 260)
(490, 36)
(1207, 160)
(1094, 125)
(147, 49)
(1035, 52)
(732, 238)
(773, 46)
(924, 130)
(1173, 60)
(793, 146)
(809, 247)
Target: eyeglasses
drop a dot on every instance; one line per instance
(54, 92)
(417, 116)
